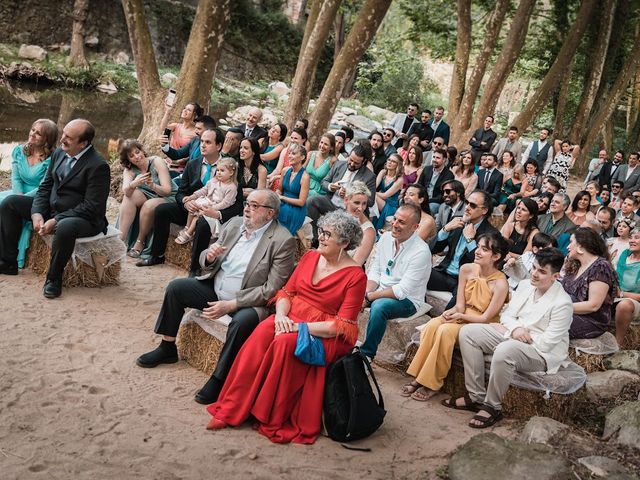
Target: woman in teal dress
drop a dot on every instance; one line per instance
(29, 163)
(273, 146)
(510, 192)
(294, 190)
(389, 184)
(320, 162)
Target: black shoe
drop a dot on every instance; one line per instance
(8, 268)
(150, 261)
(52, 288)
(165, 353)
(210, 392)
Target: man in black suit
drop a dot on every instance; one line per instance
(604, 174)
(490, 178)
(251, 128)
(71, 203)
(432, 178)
(482, 139)
(460, 236)
(423, 130)
(195, 175)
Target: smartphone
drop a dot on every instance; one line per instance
(171, 97)
(167, 132)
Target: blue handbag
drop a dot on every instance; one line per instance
(309, 349)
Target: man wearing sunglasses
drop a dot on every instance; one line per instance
(402, 122)
(427, 156)
(460, 236)
(615, 201)
(453, 206)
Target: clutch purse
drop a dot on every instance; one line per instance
(309, 349)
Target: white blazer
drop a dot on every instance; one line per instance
(548, 325)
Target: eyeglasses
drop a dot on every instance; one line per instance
(615, 186)
(253, 206)
(324, 233)
(473, 206)
(390, 266)
(447, 191)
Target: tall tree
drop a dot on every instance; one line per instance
(559, 67)
(77, 57)
(359, 39)
(461, 63)
(308, 60)
(596, 60)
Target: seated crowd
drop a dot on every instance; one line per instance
(392, 217)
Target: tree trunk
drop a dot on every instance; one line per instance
(151, 92)
(463, 48)
(462, 121)
(308, 62)
(76, 54)
(202, 53)
(310, 23)
(596, 67)
(607, 135)
(359, 39)
(610, 103)
(513, 44)
(561, 106)
(553, 77)
(338, 34)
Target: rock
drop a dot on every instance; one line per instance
(169, 78)
(348, 111)
(542, 430)
(269, 119)
(628, 360)
(65, 48)
(489, 457)
(108, 87)
(602, 466)
(91, 41)
(223, 121)
(32, 52)
(279, 88)
(121, 58)
(380, 112)
(609, 384)
(622, 424)
(360, 122)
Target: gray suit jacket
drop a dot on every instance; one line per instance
(630, 184)
(337, 172)
(269, 268)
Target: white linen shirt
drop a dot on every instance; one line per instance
(410, 271)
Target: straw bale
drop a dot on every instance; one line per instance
(632, 338)
(178, 255)
(39, 257)
(590, 363)
(198, 348)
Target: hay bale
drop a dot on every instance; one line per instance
(178, 255)
(590, 363)
(632, 338)
(302, 246)
(198, 348)
(83, 275)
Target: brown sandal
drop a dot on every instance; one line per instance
(408, 389)
(423, 394)
(469, 405)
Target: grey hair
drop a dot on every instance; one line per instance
(357, 188)
(346, 227)
(272, 200)
(566, 200)
(635, 231)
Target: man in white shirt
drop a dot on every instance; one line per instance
(540, 151)
(532, 336)
(397, 277)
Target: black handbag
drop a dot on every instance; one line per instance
(351, 410)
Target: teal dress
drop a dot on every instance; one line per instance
(391, 204)
(25, 179)
(291, 216)
(317, 175)
(270, 165)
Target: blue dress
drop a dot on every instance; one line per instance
(390, 205)
(291, 216)
(25, 179)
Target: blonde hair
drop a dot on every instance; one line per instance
(50, 134)
(230, 163)
(399, 162)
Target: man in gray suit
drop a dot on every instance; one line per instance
(242, 271)
(629, 173)
(342, 174)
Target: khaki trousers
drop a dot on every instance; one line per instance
(509, 356)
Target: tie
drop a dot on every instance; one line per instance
(207, 173)
(66, 168)
(248, 132)
(486, 178)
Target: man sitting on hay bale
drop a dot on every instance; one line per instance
(242, 271)
(532, 336)
(71, 203)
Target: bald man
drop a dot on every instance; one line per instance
(251, 129)
(71, 203)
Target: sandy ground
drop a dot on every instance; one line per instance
(73, 404)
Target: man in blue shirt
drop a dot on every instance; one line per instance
(192, 149)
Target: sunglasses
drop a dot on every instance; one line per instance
(473, 206)
(447, 191)
(389, 266)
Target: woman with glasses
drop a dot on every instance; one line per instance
(267, 382)
(294, 190)
(482, 291)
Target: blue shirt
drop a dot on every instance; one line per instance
(454, 267)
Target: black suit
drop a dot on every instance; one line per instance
(257, 133)
(168, 213)
(425, 179)
(604, 175)
(493, 186)
(440, 279)
(77, 201)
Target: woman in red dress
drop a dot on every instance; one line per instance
(267, 381)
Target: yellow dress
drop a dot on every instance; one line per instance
(437, 340)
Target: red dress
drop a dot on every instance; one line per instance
(268, 382)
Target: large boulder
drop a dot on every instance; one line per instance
(362, 123)
(279, 89)
(121, 58)
(376, 111)
(628, 360)
(608, 385)
(542, 430)
(490, 457)
(32, 52)
(107, 87)
(622, 424)
(602, 466)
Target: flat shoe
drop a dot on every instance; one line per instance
(494, 417)
(408, 389)
(215, 424)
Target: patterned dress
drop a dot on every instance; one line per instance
(559, 169)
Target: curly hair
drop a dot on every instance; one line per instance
(128, 146)
(346, 227)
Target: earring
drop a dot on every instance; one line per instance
(340, 254)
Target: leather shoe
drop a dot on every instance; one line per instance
(150, 261)
(163, 354)
(8, 268)
(52, 288)
(210, 392)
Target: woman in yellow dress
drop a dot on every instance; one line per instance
(482, 291)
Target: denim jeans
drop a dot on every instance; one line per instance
(382, 310)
